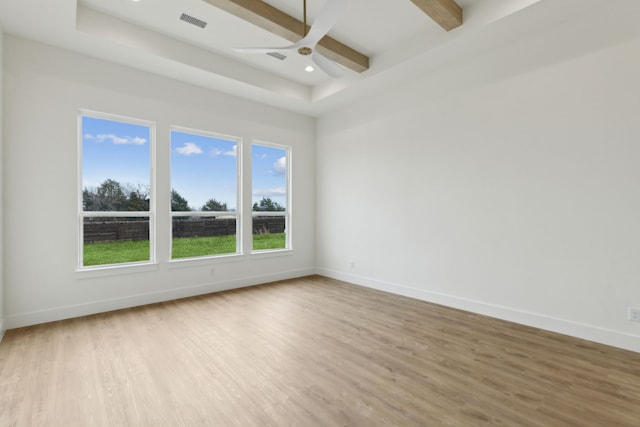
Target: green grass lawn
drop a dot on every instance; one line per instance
(262, 242)
(187, 247)
(115, 252)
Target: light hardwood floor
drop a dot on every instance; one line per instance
(309, 352)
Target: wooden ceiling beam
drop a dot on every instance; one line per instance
(446, 13)
(273, 20)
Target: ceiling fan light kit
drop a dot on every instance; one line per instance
(326, 19)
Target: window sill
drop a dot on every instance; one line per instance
(204, 261)
(270, 253)
(115, 270)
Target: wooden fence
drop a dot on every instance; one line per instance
(111, 231)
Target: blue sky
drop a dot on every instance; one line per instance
(114, 150)
(202, 167)
(269, 178)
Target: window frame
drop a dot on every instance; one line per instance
(288, 208)
(237, 214)
(151, 214)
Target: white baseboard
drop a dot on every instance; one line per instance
(578, 330)
(67, 312)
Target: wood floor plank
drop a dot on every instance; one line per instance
(309, 352)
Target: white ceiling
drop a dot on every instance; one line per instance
(399, 38)
(365, 26)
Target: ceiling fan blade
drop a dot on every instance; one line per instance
(264, 49)
(323, 23)
(327, 65)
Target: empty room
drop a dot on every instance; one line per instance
(320, 213)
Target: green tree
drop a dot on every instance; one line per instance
(113, 196)
(138, 199)
(214, 205)
(268, 205)
(109, 196)
(179, 203)
(88, 199)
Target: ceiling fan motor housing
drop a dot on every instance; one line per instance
(325, 20)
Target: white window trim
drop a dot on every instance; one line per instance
(237, 214)
(288, 208)
(151, 214)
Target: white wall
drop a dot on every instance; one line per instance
(505, 184)
(44, 88)
(2, 326)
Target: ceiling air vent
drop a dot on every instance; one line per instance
(192, 20)
(277, 55)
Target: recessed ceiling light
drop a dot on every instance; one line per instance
(308, 68)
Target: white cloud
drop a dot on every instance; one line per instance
(215, 152)
(115, 139)
(280, 166)
(233, 152)
(188, 149)
(269, 192)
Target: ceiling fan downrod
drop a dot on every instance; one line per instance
(304, 18)
(304, 50)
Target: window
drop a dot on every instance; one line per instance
(116, 190)
(204, 194)
(270, 197)
(117, 196)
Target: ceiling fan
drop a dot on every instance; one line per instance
(323, 23)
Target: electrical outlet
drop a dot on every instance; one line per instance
(634, 314)
(352, 264)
